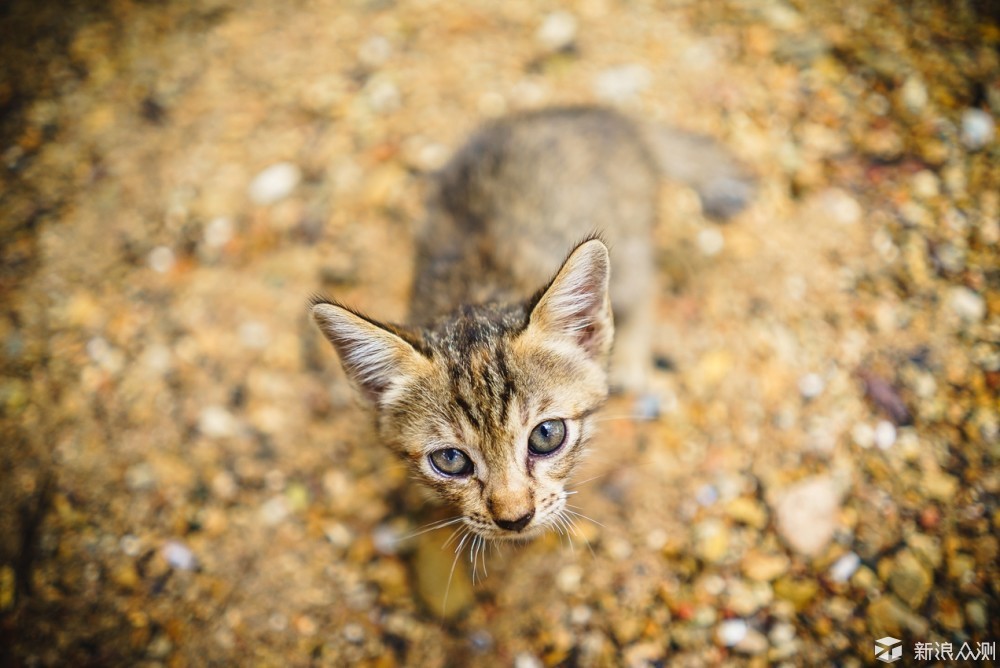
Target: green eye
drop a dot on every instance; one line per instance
(451, 462)
(547, 437)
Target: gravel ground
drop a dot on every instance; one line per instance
(187, 479)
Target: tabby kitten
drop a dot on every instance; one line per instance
(489, 392)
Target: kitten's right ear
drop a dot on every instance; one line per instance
(373, 357)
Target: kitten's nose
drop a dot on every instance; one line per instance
(515, 525)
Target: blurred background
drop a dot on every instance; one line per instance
(186, 478)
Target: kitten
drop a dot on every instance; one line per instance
(489, 392)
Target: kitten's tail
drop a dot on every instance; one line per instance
(724, 185)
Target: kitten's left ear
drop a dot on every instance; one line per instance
(576, 304)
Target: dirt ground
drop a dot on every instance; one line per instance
(187, 478)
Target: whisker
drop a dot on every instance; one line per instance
(581, 515)
(584, 482)
(451, 573)
(454, 534)
(634, 416)
(577, 531)
(440, 524)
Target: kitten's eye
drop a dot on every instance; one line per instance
(547, 437)
(451, 461)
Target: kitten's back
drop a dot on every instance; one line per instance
(523, 190)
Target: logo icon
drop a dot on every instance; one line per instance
(888, 649)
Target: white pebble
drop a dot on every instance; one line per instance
(568, 579)
(130, 545)
(807, 514)
(339, 535)
(620, 84)
(218, 232)
(845, 567)
(863, 435)
(580, 615)
(383, 95)
(914, 94)
(375, 51)
(525, 660)
(926, 184)
(98, 349)
(157, 358)
(216, 422)
(811, 385)
(967, 304)
(274, 511)
(656, 539)
(275, 183)
(178, 555)
(843, 208)
(978, 129)
(161, 259)
(385, 539)
(732, 631)
(254, 335)
(558, 31)
(782, 633)
(885, 434)
(711, 242)
(706, 495)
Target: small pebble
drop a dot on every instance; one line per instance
(383, 95)
(375, 51)
(656, 539)
(481, 640)
(647, 406)
(277, 622)
(354, 633)
(179, 556)
(130, 545)
(731, 632)
(254, 335)
(216, 422)
(620, 84)
(926, 184)
(753, 643)
(161, 259)
(568, 579)
(807, 514)
(218, 232)
(275, 183)
(706, 495)
(885, 434)
(580, 615)
(274, 511)
(845, 567)
(811, 385)
(386, 539)
(140, 477)
(782, 633)
(558, 31)
(914, 94)
(967, 304)
(339, 535)
(526, 660)
(710, 242)
(843, 208)
(978, 129)
(224, 485)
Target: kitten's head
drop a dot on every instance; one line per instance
(491, 405)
